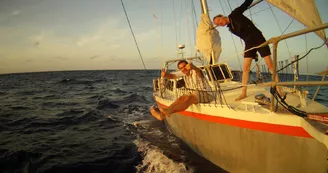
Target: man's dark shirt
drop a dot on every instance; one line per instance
(241, 25)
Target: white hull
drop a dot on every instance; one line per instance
(246, 137)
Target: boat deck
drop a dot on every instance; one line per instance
(232, 90)
(291, 98)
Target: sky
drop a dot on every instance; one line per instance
(60, 35)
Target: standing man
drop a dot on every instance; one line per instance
(244, 28)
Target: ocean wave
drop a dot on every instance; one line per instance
(80, 82)
(20, 121)
(155, 161)
(53, 104)
(118, 91)
(20, 107)
(91, 115)
(135, 98)
(134, 109)
(45, 96)
(77, 116)
(29, 92)
(132, 113)
(2, 93)
(106, 104)
(17, 161)
(70, 112)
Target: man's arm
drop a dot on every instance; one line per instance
(243, 7)
(168, 75)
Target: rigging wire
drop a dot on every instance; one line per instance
(162, 38)
(314, 48)
(275, 17)
(180, 22)
(260, 11)
(175, 24)
(195, 21)
(157, 33)
(307, 59)
(288, 25)
(232, 37)
(222, 7)
(188, 30)
(135, 40)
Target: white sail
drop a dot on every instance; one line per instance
(208, 40)
(305, 11)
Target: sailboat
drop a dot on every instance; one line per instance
(263, 132)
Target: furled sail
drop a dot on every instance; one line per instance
(305, 11)
(208, 40)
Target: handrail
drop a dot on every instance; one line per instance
(298, 83)
(275, 41)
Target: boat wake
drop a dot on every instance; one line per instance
(155, 161)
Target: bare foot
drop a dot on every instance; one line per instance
(158, 115)
(242, 96)
(165, 112)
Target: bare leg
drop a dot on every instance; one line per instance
(181, 104)
(269, 63)
(158, 115)
(247, 66)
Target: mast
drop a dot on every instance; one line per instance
(203, 4)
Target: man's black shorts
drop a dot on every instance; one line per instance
(254, 42)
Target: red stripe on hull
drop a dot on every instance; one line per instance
(266, 127)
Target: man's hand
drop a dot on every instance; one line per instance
(163, 73)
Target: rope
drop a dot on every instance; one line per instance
(135, 40)
(241, 53)
(281, 101)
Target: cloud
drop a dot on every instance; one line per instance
(60, 58)
(15, 13)
(38, 38)
(37, 43)
(29, 60)
(94, 57)
(104, 34)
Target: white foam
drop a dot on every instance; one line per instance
(155, 161)
(134, 115)
(141, 122)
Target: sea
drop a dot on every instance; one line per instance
(90, 121)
